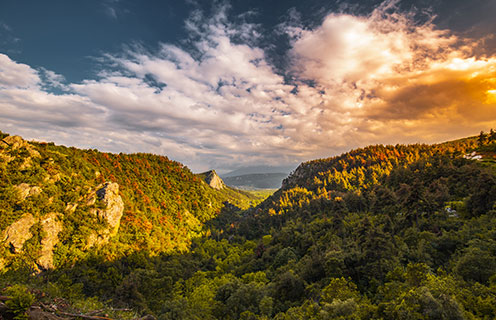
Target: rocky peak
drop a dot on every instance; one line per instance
(213, 180)
(14, 142)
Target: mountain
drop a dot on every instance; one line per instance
(256, 181)
(381, 232)
(258, 170)
(257, 177)
(59, 205)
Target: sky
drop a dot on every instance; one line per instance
(227, 84)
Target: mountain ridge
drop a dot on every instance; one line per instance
(256, 180)
(90, 196)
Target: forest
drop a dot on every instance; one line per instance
(381, 232)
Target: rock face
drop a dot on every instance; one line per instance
(18, 233)
(25, 190)
(51, 227)
(213, 180)
(109, 210)
(16, 142)
(12, 143)
(108, 193)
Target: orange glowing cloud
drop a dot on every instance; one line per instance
(395, 80)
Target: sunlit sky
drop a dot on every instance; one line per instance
(226, 84)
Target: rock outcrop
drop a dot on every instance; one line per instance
(106, 206)
(51, 228)
(18, 233)
(16, 142)
(25, 190)
(12, 143)
(213, 180)
(108, 193)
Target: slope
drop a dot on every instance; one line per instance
(58, 205)
(383, 232)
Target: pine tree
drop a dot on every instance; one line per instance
(482, 139)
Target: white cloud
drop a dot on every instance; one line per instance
(52, 79)
(18, 75)
(379, 78)
(390, 79)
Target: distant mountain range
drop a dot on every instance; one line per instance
(257, 177)
(258, 170)
(256, 181)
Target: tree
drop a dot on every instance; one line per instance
(492, 135)
(482, 140)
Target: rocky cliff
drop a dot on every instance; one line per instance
(110, 214)
(108, 211)
(213, 180)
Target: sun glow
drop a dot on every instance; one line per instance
(491, 96)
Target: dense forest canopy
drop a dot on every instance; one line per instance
(383, 232)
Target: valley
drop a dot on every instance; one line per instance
(381, 232)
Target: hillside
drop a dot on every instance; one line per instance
(382, 232)
(58, 205)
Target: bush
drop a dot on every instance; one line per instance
(21, 300)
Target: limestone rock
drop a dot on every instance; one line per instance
(16, 142)
(17, 233)
(112, 213)
(25, 190)
(213, 180)
(109, 194)
(12, 143)
(71, 207)
(51, 227)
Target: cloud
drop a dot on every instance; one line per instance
(53, 80)
(25, 104)
(216, 101)
(395, 80)
(18, 75)
(111, 8)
